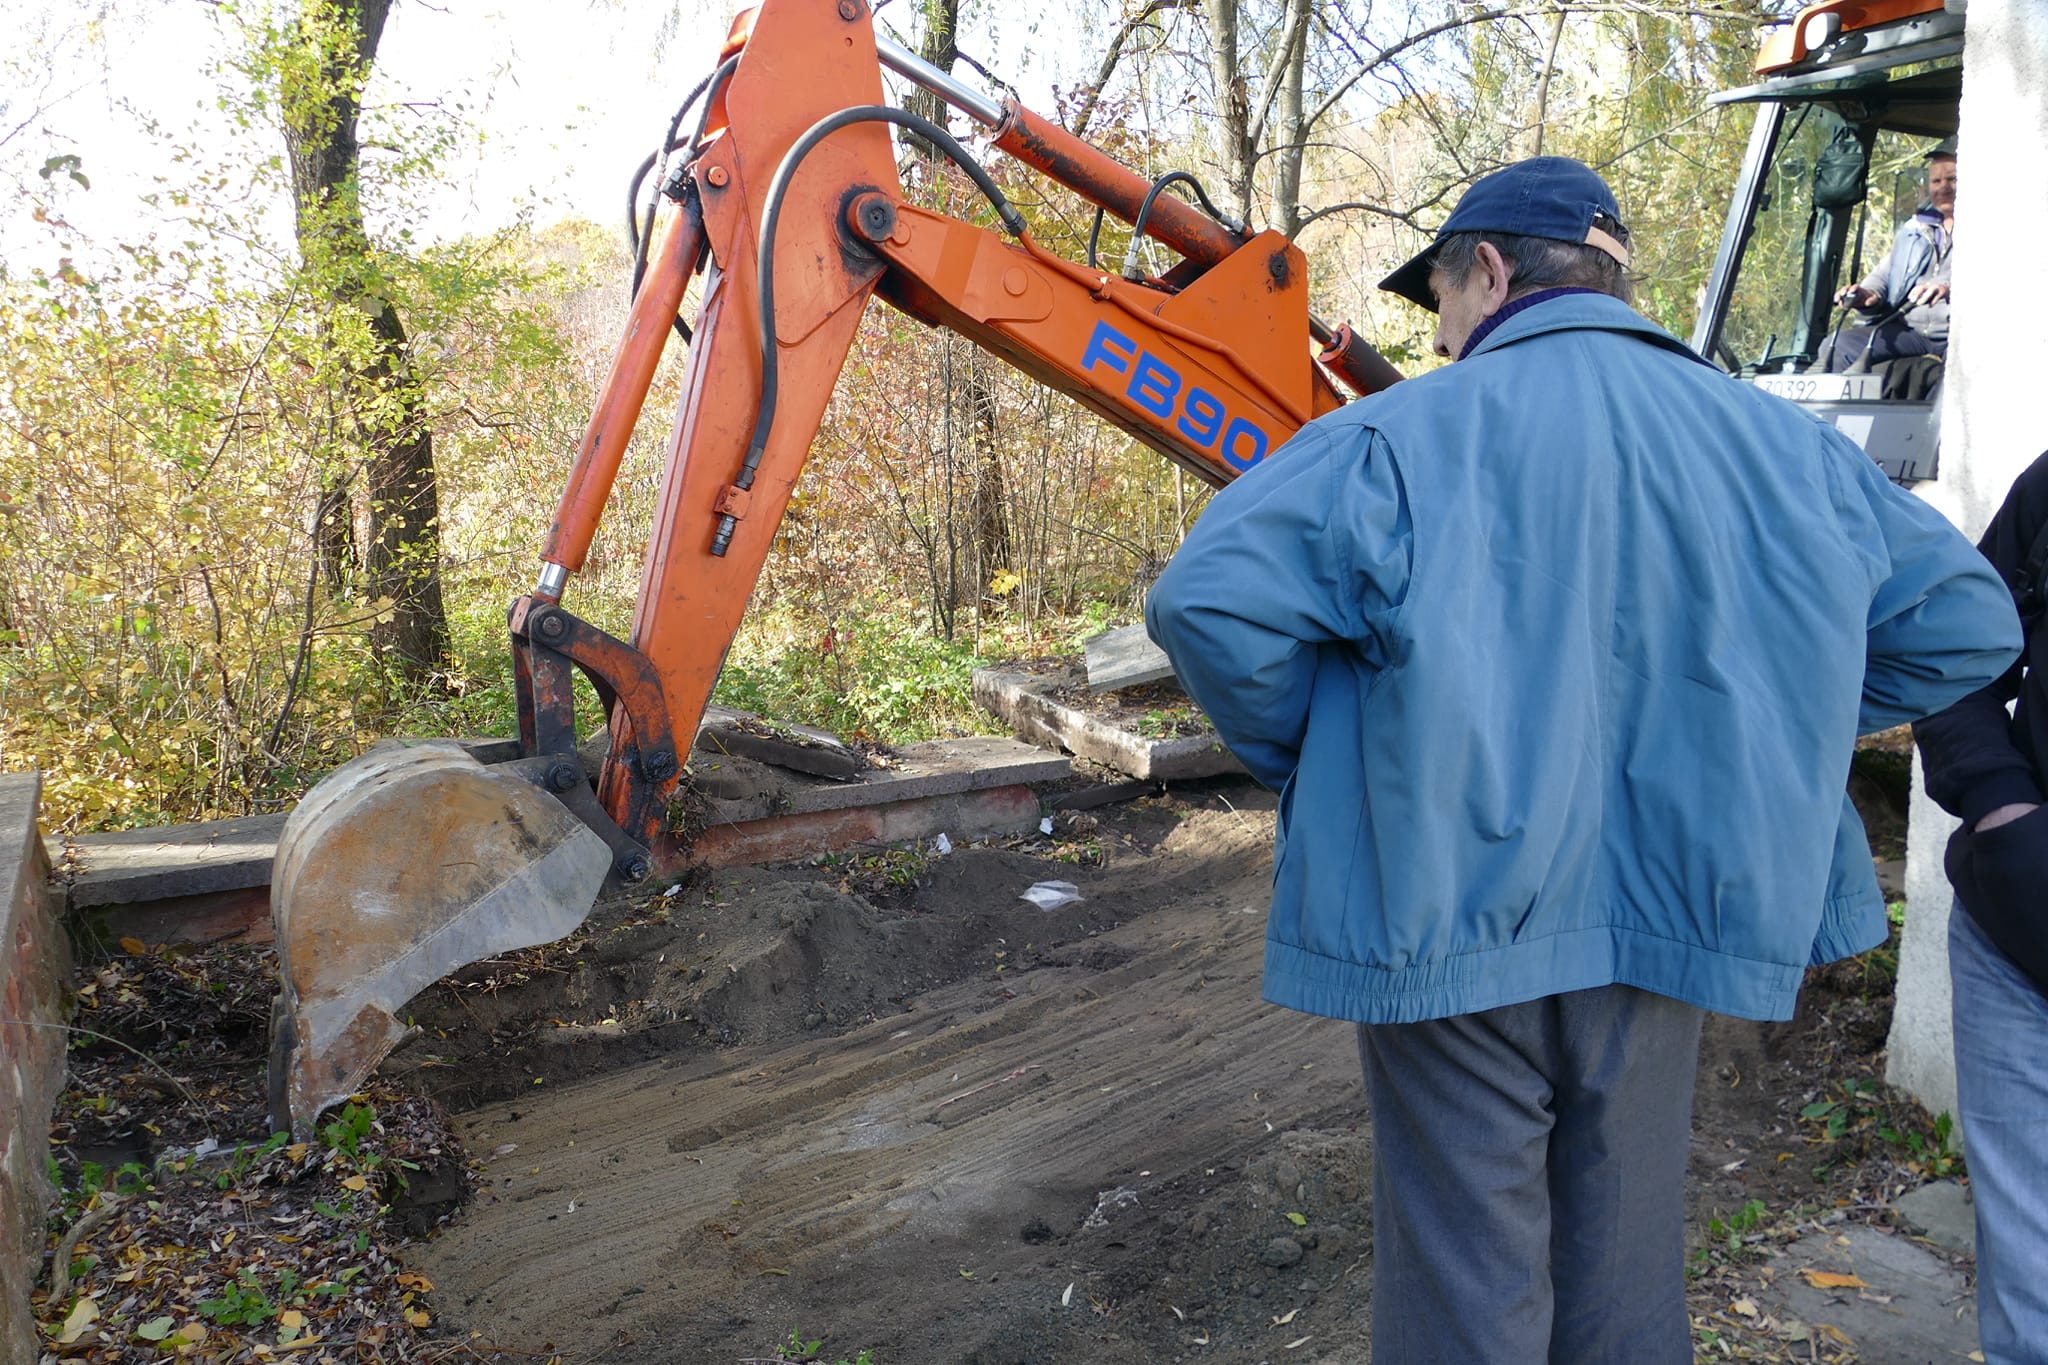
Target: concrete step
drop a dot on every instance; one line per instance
(1040, 719)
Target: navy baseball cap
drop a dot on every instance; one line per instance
(1545, 196)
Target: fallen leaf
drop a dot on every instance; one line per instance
(356, 1183)
(1283, 1321)
(408, 1279)
(1299, 1220)
(291, 1317)
(1067, 1297)
(83, 1314)
(1746, 1307)
(1298, 1341)
(1832, 1279)
(1837, 1334)
(418, 1317)
(134, 947)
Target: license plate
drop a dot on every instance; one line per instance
(1822, 388)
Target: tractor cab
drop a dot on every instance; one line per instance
(1852, 97)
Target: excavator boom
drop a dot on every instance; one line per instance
(789, 209)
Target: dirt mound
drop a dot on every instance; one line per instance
(761, 956)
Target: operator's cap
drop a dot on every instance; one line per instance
(1945, 147)
(1545, 196)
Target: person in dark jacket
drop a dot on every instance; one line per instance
(1986, 766)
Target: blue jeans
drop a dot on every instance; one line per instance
(2001, 1030)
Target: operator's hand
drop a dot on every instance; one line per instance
(2004, 815)
(1856, 296)
(1926, 292)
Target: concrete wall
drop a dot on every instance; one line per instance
(35, 966)
(1993, 425)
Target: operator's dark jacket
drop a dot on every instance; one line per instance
(1977, 758)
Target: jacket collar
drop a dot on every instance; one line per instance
(1580, 312)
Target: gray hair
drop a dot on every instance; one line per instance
(1536, 263)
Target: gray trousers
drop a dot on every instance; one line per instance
(1529, 1182)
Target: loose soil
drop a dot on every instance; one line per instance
(886, 1101)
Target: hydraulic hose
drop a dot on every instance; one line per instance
(1013, 223)
(638, 234)
(1130, 266)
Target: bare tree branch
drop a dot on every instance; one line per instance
(1487, 16)
(1092, 92)
(1294, 32)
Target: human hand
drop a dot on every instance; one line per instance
(2005, 815)
(1926, 292)
(1856, 296)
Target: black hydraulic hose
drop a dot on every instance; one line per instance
(1013, 223)
(1130, 267)
(1145, 212)
(639, 235)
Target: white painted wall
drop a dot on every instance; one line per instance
(1994, 422)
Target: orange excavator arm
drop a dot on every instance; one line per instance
(794, 205)
(789, 206)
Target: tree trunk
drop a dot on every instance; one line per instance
(321, 78)
(987, 508)
(941, 48)
(1291, 144)
(334, 537)
(1233, 104)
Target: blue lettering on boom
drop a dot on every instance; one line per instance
(1158, 388)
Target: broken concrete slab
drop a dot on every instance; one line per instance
(170, 860)
(937, 768)
(1907, 1305)
(210, 882)
(781, 838)
(1039, 719)
(807, 750)
(1124, 657)
(1943, 1214)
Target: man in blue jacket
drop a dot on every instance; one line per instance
(1557, 657)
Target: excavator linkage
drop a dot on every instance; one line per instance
(788, 208)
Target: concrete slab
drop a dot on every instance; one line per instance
(938, 768)
(170, 860)
(799, 747)
(209, 882)
(1943, 1214)
(781, 838)
(1039, 719)
(1906, 1306)
(1124, 657)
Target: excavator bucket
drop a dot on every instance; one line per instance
(397, 868)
